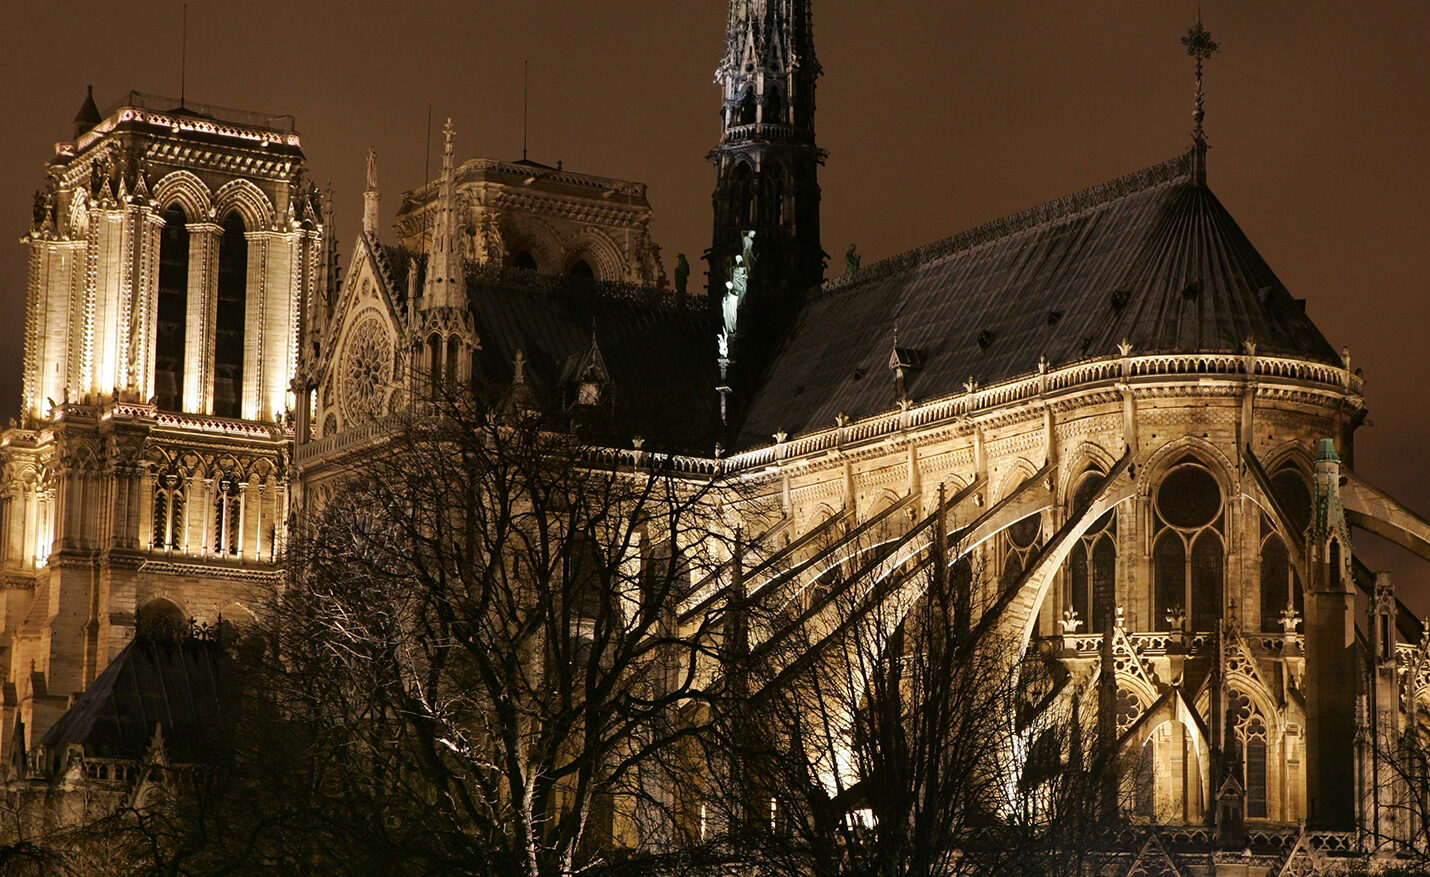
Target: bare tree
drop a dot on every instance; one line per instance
(879, 727)
(477, 643)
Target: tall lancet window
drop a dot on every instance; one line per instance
(1280, 586)
(227, 516)
(168, 511)
(1188, 557)
(229, 318)
(173, 310)
(1092, 563)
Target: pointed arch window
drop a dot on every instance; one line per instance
(1188, 554)
(582, 269)
(228, 517)
(168, 511)
(1242, 714)
(1020, 543)
(229, 318)
(171, 320)
(434, 360)
(454, 360)
(1092, 563)
(774, 106)
(1280, 585)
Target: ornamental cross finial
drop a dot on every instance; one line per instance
(1200, 45)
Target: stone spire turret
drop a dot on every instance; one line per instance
(371, 196)
(768, 173)
(88, 115)
(1331, 677)
(446, 282)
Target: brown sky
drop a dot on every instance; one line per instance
(937, 116)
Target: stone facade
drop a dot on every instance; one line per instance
(172, 253)
(1142, 440)
(528, 215)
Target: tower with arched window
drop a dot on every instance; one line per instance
(172, 250)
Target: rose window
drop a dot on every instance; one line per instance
(366, 369)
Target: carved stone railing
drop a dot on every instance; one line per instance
(761, 131)
(1107, 372)
(351, 437)
(1089, 645)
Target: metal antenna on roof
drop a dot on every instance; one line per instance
(525, 104)
(184, 56)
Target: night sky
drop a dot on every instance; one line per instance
(937, 116)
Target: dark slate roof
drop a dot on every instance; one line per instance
(1153, 258)
(658, 348)
(185, 684)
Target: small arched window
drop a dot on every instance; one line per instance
(1092, 563)
(1021, 542)
(774, 107)
(172, 318)
(454, 360)
(1188, 557)
(228, 516)
(434, 360)
(747, 109)
(229, 317)
(160, 619)
(168, 511)
(1280, 585)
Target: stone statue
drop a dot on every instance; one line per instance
(682, 274)
(852, 259)
(735, 289)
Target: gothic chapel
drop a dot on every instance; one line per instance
(1137, 427)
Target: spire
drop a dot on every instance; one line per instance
(1200, 45)
(768, 184)
(371, 197)
(446, 284)
(88, 115)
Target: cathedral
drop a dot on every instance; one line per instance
(1110, 398)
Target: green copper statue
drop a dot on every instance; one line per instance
(852, 259)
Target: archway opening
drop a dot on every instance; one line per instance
(173, 310)
(229, 318)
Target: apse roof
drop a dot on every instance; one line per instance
(181, 684)
(1152, 258)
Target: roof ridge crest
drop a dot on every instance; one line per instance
(1167, 171)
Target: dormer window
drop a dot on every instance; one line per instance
(588, 389)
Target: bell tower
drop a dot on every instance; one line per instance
(767, 164)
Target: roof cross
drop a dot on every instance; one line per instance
(1200, 45)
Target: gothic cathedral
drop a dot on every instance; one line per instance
(1111, 400)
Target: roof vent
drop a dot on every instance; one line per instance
(1053, 317)
(985, 338)
(1192, 290)
(1265, 294)
(1120, 298)
(1086, 343)
(1301, 303)
(858, 374)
